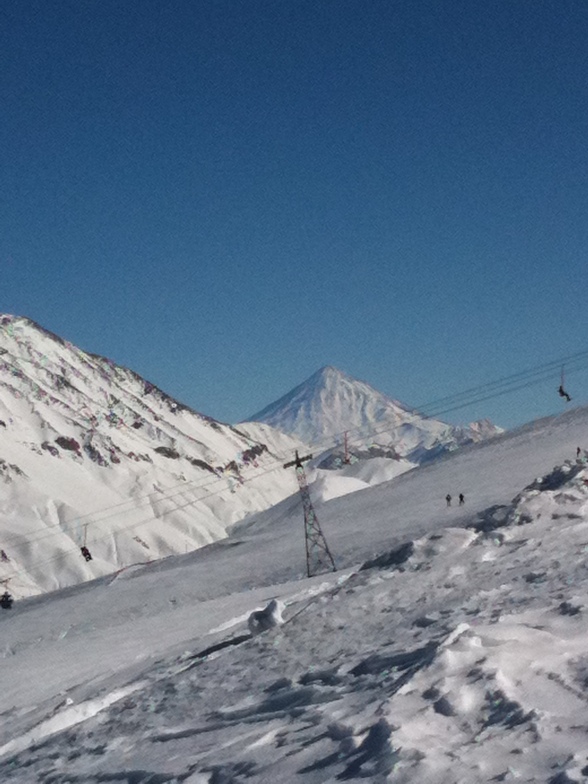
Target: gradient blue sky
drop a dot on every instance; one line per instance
(225, 195)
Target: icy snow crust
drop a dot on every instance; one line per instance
(451, 646)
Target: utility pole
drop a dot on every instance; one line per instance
(318, 555)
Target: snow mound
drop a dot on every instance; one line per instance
(376, 470)
(328, 486)
(268, 618)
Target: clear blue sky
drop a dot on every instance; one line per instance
(225, 195)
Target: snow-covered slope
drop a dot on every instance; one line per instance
(331, 403)
(91, 454)
(450, 647)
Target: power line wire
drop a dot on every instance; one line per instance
(122, 530)
(325, 444)
(541, 372)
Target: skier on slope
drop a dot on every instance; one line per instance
(562, 393)
(6, 601)
(448, 499)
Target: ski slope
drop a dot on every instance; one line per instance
(458, 656)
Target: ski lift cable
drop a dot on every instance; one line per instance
(581, 355)
(451, 404)
(325, 444)
(527, 384)
(498, 393)
(65, 553)
(115, 509)
(334, 440)
(121, 531)
(74, 523)
(149, 500)
(534, 376)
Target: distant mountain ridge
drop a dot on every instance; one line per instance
(92, 454)
(330, 403)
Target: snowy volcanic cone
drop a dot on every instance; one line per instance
(330, 403)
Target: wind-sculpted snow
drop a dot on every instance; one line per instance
(459, 655)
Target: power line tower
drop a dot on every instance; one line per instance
(318, 555)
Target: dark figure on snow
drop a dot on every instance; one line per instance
(461, 499)
(86, 553)
(6, 601)
(578, 451)
(562, 393)
(448, 499)
(3, 556)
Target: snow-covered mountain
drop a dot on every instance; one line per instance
(331, 403)
(451, 645)
(93, 455)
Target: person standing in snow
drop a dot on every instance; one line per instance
(448, 499)
(461, 499)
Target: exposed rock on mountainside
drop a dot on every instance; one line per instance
(93, 454)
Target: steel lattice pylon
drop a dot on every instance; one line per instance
(318, 556)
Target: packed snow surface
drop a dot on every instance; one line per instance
(450, 646)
